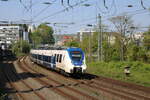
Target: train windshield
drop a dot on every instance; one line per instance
(76, 55)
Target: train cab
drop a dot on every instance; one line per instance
(77, 58)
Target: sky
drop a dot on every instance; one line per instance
(70, 19)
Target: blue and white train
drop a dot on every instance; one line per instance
(68, 60)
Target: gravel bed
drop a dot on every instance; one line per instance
(46, 92)
(67, 81)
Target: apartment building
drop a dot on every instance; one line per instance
(12, 33)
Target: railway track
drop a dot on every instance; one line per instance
(117, 88)
(87, 87)
(56, 84)
(48, 85)
(12, 76)
(12, 85)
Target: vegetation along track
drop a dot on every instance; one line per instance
(111, 87)
(75, 92)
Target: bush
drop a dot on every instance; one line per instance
(21, 47)
(139, 71)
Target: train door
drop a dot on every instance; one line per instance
(53, 61)
(59, 61)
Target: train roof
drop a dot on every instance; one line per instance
(58, 48)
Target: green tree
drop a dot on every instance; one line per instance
(25, 47)
(46, 33)
(94, 42)
(123, 25)
(72, 43)
(21, 46)
(136, 53)
(84, 44)
(115, 50)
(35, 38)
(132, 52)
(146, 41)
(42, 35)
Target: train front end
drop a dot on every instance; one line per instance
(77, 59)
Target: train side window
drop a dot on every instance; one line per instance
(43, 58)
(63, 57)
(46, 58)
(38, 56)
(35, 56)
(60, 58)
(49, 58)
(57, 57)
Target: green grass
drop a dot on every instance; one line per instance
(140, 72)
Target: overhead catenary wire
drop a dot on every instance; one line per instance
(83, 23)
(104, 1)
(25, 7)
(61, 11)
(109, 9)
(43, 10)
(108, 17)
(142, 4)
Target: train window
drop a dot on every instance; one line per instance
(76, 55)
(40, 57)
(35, 56)
(60, 58)
(57, 57)
(49, 58)
(45, 58)
(63, 57)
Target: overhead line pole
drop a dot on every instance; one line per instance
(31, 10)
(98, 51)
(100, 37)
